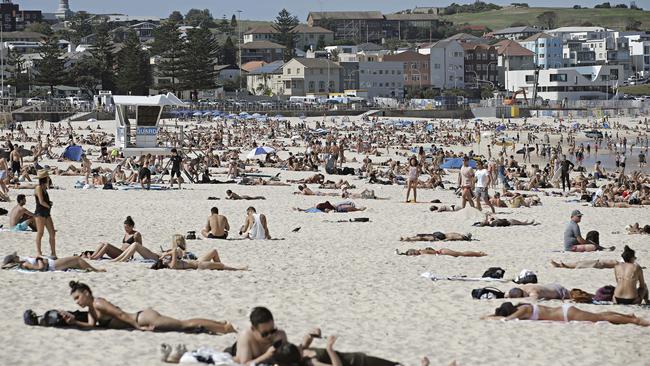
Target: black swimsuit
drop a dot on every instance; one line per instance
(130, 240)
(625, 301)
(41, 210)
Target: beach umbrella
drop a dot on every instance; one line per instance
(500, 128)
(260, 151)
(456, 163)
(216, 113)
(206, 114)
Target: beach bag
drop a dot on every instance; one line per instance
(494, 272)
(30, 317)
(439, 236)
(3, 211)
(52, 318)
(487, 293)
(579, 296)
(605, 293)
(525, 277)
(593, 236)
(191, 235)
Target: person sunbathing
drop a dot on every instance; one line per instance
(314, 179)
(366, 194)
(175, 259)
(441, 251)
(230, 195)
(496, 200)
(637, 229)
(444, 208)
(344, 206)
(597, 263)
(47, 265)
(535, 291)
(496, 222)
(438, 236)
(565, 313)
(131, 236)
(306, 191)
(103, 314)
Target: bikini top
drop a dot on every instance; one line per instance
(130, 240)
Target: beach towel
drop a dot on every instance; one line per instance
(313, 210)
(208, 356)
(435, 277)
(137, 187)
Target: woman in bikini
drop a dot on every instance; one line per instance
(412, 181)
(438, 236)
(441, 251)
(103, 314)
(176, 259)
(566, 313)
(630, 284)
(131, 237)
(46, 264)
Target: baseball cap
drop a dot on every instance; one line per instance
(576, 213)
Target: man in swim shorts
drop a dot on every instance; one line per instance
(20, 219)
(217, 226)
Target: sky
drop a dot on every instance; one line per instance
(268, 9)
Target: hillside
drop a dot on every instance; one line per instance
(498, 19)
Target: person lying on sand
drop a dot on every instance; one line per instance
(217, 226)
(597, 263)
(637, 229)
(438, 236)
(306, 191)
(444, 208)
(174, 259)
(441, 251)
(565, 313)
(230, 195)
(344, 206)
(536, 292)
(366, 194)
(314, 179)
(255, 344)
(103, 314)
(496, 222)
(47, 265)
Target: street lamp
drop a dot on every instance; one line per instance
(239, 42)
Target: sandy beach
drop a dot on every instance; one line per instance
(342, 276)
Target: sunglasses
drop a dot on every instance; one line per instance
(268, 333)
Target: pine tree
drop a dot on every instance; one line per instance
(233, 22)
(200, 55)
(102, 54)
(175, 17)
(228, 53)
(51, 66)
(86, 75)
(19, 78)
(284, 25)
(133, 71)
(321, 43)
(168, 45)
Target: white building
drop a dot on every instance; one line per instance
(575, 83)
(447, 64)
(581, 33)
(382, 79)
(639, 45)
(547, 50)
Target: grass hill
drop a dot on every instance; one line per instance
(505, 17)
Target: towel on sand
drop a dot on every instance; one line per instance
(435, 277)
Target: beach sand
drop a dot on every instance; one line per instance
(343, 277)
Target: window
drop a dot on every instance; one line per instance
(541, 45)
(436, 66)
(322, 71)
(414, 65)
(312, 86)
(558, 77)
(288, 71)
(381, 72)
(530, 79)
(391, 71)
(541, 55)
(451, 78)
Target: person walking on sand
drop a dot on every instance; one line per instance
(42, 214)
(465, 182)
(483, 181)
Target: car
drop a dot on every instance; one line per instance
(35, 100)
(594, 134)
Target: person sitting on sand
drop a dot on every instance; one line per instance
(441, 251)
(536, 292)
(630, 284)
(496, 200)
(597, 263)
(573, 241)
(230, 195)
(217, 226)
(131, 236)
(444, 208)
(255, 227)
(565, 313)
(174, 259)
(255, 344)
(47, 265)
(496, 222)
(21, 219)
(103, 314)
(438, 236)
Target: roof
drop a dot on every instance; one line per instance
(413, 17)
(406, 56)
(579, 29)
(514, 30)
(262, 30)
(317, 62)
(225, 67)
(444, 43)
(375, 15)
(274, 67)
(369, 46)
(261, 44)
(511, 48)
(464, 37)
(161, 100)
(23, 35)
(538, 36)
(300, 28)
(473, 46)
(252, 65)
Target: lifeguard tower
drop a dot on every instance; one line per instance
(138, 136)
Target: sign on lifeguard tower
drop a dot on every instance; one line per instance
(139, 136)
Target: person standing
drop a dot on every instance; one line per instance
(466, 182)
(176, 161)
(412, 181)
(565, 167)
(42, 214)
(16, 161)
(483, 180)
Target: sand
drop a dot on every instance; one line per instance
(343, 277)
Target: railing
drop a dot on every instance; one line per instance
(575, 104)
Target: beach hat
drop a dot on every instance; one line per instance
(42, 174)
(576, 213)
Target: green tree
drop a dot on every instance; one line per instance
(197, 17)
(233, 22)
(19, 77)
(199, 57)
(320, 45)
(175, 17)
(632, 25)
(228, 53)
(548, 19)
(284, 25)
(102, 54)
(224, 26)
(42, 28)
(51, 66)
(80, 25)
(86, 75)
(168, 45)
(133, 71)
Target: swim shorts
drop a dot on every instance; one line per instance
(21, 226)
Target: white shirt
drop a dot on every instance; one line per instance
(482, 176)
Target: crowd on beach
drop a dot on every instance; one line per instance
(503, 178)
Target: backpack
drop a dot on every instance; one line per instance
(605, 293)
(593, 236)
(525, 277)
(52, 318)
(487, 293)
(494, 272)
